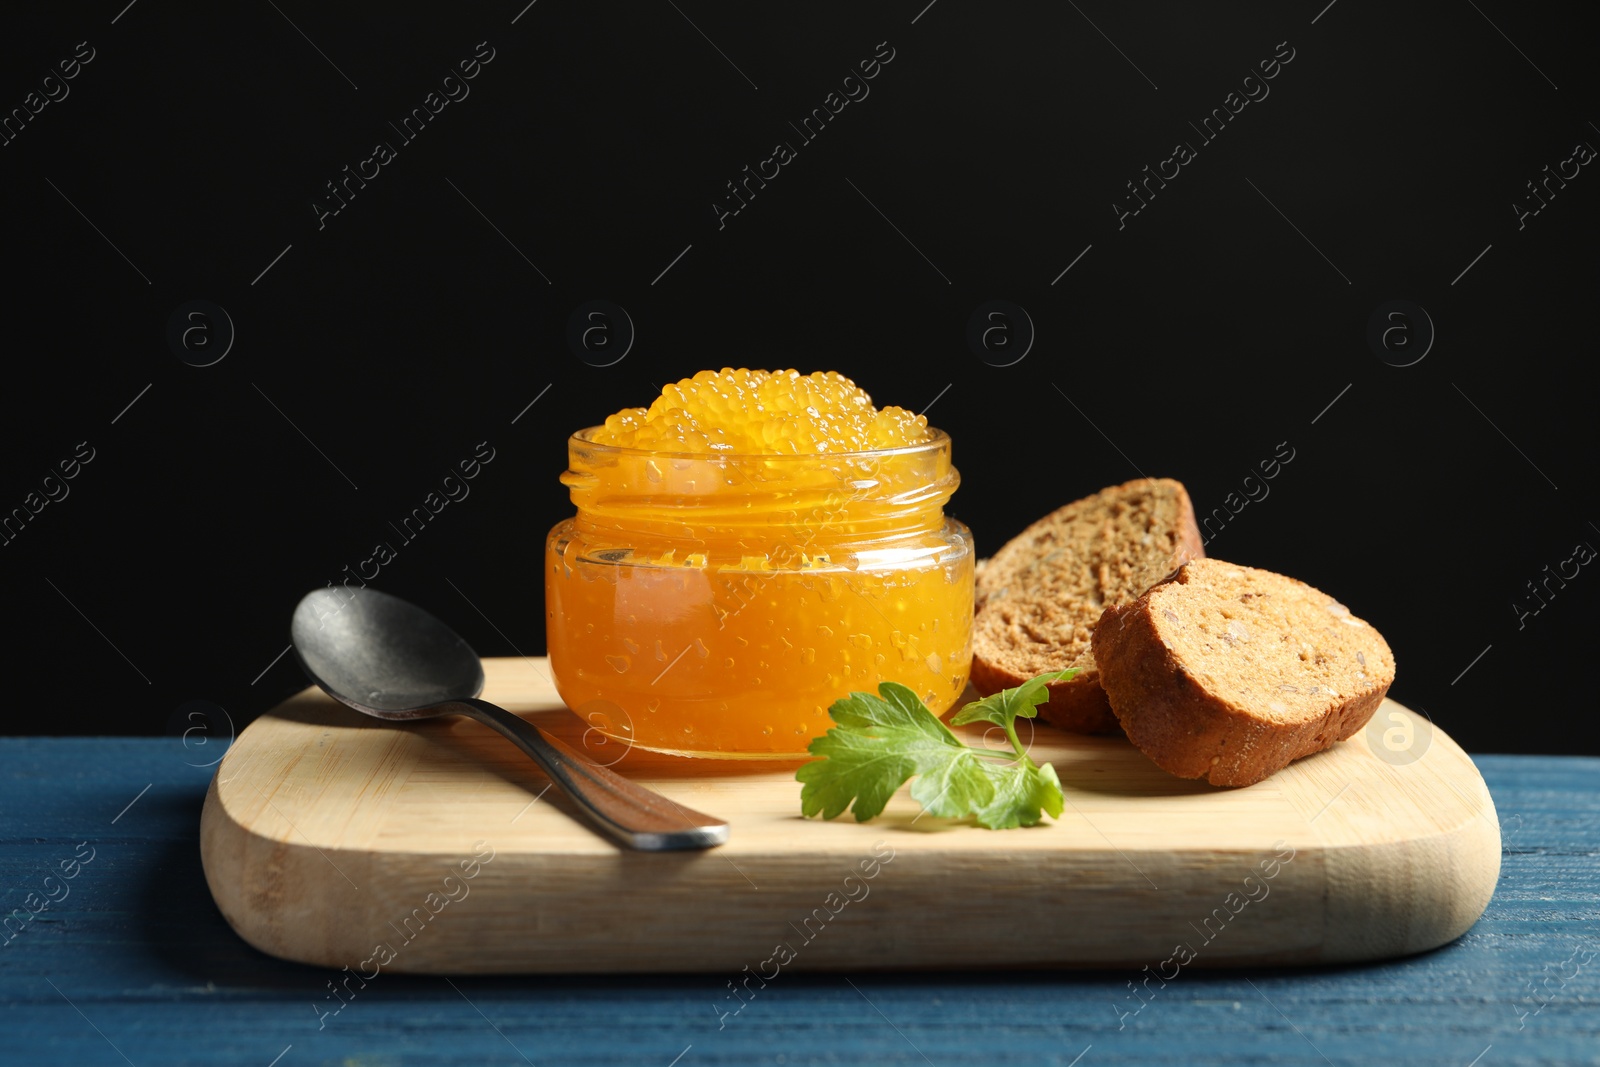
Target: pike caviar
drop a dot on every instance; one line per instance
(747, 550)
(757, 412)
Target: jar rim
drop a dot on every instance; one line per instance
(937, 439)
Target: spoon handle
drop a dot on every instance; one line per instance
(638, 817)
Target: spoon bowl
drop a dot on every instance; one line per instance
(382, 655)
(390, 659)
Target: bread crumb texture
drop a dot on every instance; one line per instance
(1269, 642)
(1040, 596)
(1230, 673)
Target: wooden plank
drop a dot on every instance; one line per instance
(156, 973)
(325, 833)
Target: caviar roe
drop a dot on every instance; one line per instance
(747, 550)
(757, 412)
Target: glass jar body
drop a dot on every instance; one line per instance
(717, 605)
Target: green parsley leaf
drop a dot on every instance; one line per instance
(1003, 707)
(879, 742)
(1018, 798)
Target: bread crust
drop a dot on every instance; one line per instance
(1191, 732)
(1079, 704)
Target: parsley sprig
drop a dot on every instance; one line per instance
(881, 741)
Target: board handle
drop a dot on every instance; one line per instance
(637, 817)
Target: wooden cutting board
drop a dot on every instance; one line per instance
(338, 840)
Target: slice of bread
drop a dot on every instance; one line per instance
(1039, 597)
(1229, 673)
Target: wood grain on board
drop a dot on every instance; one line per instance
(335, 839)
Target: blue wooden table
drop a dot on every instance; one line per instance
(122, 958)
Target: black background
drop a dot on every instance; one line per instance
(383, 347)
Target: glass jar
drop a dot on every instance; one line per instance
(711, 604)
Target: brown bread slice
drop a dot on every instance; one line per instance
(1039, 597)
(1229, 673)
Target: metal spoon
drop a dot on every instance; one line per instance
(390, 659)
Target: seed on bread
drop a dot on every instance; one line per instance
(1040, 596)
(1230, 673)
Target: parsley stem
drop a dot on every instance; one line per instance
(1011, 732)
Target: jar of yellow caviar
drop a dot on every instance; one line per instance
(713, 602)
